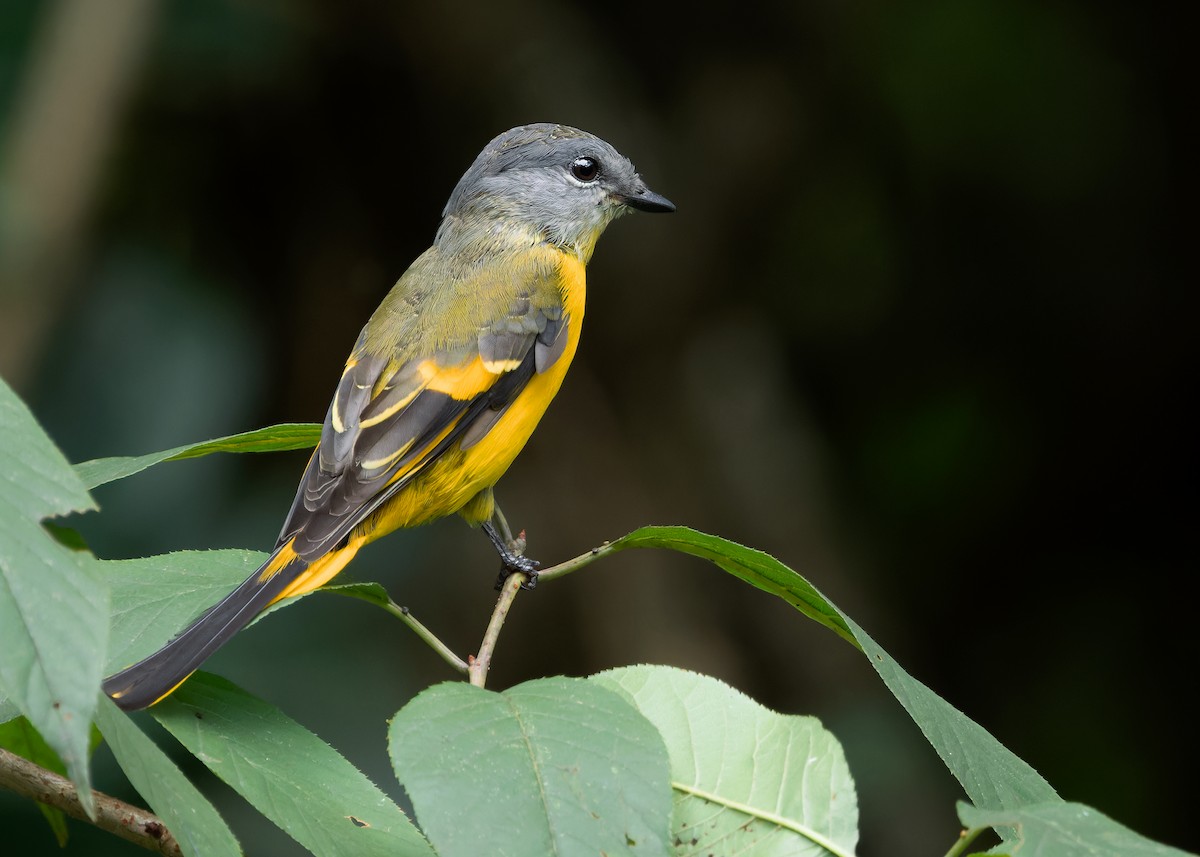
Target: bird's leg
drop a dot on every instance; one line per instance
(511, 559)
(502, 525)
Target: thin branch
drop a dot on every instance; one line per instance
(130, 822)
(478, 669)
(431, 639)
(478, 666)
(575, 563)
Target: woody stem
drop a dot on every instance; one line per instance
(130, 822)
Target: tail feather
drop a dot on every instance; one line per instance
(154, 677)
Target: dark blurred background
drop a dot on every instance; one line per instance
(919, 328)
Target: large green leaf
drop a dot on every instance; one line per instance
(556, 766)
(991, 775)
(1061, 829)
(154, 598)
(753, 566)
(751, 782)
(196, 826)
(290, 775)
(270, 439)
(53, 610)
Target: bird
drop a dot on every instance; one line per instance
(446, 382)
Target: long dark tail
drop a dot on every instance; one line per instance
(154, 677)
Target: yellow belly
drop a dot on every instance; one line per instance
(460, 475)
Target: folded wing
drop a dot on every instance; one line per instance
(392, 418)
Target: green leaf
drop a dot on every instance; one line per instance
(556, 766)
(991, 775)
(372, 593)
(753, 782)
(68, 537)
(290, 775)
(278, 438)
(53, 610)
(1061, 829)
(753, 566)
(154, 598)
(196, 826)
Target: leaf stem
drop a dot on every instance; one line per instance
(770, 817)
(965, 838)
(130, 822)
(431, 639)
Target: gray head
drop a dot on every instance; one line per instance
(559, 181)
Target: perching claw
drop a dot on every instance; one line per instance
(511, 561)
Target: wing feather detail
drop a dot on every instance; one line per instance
(551, 342)
(390, 420)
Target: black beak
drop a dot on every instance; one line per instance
(644, 199)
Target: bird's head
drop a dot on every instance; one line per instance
(557, 181)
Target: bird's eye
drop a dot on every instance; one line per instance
(585, 169)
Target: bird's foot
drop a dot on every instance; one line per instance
(511, 563)
(512, 559)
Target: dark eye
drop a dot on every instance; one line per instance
(585, 169)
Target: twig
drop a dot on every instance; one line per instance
(476, 668)
(575, 563)
(406, 616)
(130, 822)
(478, 665)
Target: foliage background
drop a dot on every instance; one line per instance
(919, 328)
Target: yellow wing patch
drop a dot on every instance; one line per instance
(460, 382)
(497, 367)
